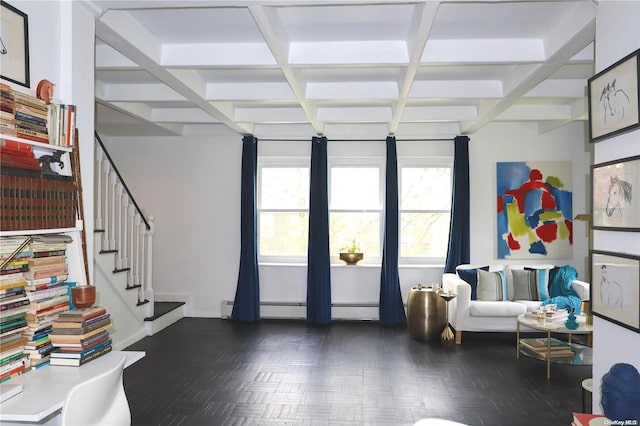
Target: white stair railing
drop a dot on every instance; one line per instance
(123, 228)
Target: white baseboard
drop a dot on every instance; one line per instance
(298, 310)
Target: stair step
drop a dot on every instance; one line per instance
(142, 302)
(163, 308)
(115, 271)
(132, 287)
(108, 251)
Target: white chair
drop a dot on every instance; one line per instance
(99, 401)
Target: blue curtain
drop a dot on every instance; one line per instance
(391, 306)
(246, 306)
(458, 250)
(319, 267)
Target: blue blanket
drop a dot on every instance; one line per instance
(560, 291)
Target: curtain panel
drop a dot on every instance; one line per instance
(246, 306)
(391, 305)
(318, 261)
(458, 251)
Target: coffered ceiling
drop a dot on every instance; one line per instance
(297, 68)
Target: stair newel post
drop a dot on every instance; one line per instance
(148, 282)
(99, 158)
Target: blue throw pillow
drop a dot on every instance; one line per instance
(470, 276)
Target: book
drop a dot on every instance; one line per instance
(587, 419)
(83, 353)
(81, 361)
(54, 302)
(77, 339)
(80, 330)
(81, 315)
(540, 343)
(74, 324)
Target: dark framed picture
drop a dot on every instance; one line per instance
(615, 202)
(613, 99)
(615, 283)
(14, 45)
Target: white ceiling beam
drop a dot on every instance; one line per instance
(109, 58)
(575, 30)
(249, 91)
(131, 39)
(348, 52)
(462, 89)
(141, 93)
(421, 25)
(272, 29)
(178, 115)
(567, 88)
(271, 115)
(353, 90)
(216, 54)
(535, 112)
(478, 51)
(438, 113)
(355, 114)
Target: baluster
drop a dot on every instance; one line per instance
(105, 210)
(125, 233)
(112, 210)
(98, 187)
(118, 222)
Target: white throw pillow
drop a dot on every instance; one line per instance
(492, 286)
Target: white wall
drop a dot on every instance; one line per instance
(191, 186)
(617, 35)
(506, 143)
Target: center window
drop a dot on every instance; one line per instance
(355, 209)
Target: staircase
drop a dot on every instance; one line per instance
(123, 247)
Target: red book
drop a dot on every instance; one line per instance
(19, 146)
(586, 419)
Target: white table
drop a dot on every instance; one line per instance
(44, 390)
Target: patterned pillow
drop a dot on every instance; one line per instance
(470, 276)
(492, 285)
(525, 286)
(542, 281)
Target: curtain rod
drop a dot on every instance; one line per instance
(358, 140)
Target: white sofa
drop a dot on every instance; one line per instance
(480, 315)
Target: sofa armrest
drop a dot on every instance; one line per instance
(458, 307)
(582, 288)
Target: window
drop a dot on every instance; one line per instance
(283, 210)
(355, 208)
(425, 210)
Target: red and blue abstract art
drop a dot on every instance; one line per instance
(534, 210)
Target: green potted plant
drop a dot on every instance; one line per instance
(351, 254)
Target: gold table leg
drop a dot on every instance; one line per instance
(447, 333)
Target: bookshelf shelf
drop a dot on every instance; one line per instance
(37, 144)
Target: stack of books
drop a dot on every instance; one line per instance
(13, 308)
(556, 315)
(62, 124)
(48, 294)
(18, 155)
(588, 419)
(7, 110)
(538, 346)
(80, 336)
(31, 117)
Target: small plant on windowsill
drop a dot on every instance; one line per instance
(351, 254)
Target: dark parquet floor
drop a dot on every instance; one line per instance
(220, 372)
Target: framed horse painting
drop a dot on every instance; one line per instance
(613, 99)
(614, 290)
(615, 201)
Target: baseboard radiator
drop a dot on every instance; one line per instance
(298, 310)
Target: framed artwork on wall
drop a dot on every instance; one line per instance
(534, 209)
(14, 45)
(613, 99)
(615, 288)
(615, 203)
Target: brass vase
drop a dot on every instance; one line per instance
(351, 258)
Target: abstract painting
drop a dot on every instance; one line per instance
(534, 210)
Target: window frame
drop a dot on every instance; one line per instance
(420, 162)
(277, 162)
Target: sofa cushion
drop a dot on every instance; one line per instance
(469, 274)
(482, 308)
(492, 286)
(531, 305)
(541, 277)
(525, 285)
